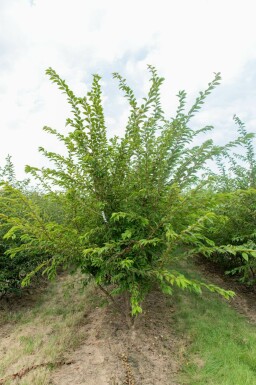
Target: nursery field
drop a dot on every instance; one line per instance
(131, 259)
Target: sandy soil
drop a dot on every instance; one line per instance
(114, 354)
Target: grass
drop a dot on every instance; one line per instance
(45, 331)
(222, 343)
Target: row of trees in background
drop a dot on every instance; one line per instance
(124, 210)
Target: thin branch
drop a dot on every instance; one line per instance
(117, 306)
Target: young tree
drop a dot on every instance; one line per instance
(128, 201)
(234, 191)
(13, 270)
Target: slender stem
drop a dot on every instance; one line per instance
(252, 272)
(117, 306)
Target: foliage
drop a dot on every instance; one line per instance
(236, 230)
(127, 203)
(238, 169)
(235, 201)
(14, 270)
(8, 175)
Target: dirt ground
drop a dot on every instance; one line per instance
(114, 354)
(110, 352)
(148, 353)
(245, 299)
(154, 354)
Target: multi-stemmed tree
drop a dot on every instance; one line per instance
(127, 204)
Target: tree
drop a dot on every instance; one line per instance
(234, 192)
(127, 202)
(13, 270)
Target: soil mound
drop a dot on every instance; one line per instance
(114, 354)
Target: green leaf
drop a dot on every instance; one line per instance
(127, 234)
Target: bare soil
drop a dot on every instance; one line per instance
(112, 353)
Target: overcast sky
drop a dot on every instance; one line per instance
(187, 41)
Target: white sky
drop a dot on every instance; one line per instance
(187, 40)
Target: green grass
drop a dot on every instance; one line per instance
(222, 343)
